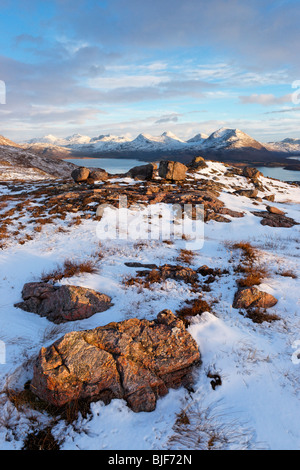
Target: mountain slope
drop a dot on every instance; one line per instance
(19, 163)
(231, 139)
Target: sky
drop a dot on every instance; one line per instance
(129, 66)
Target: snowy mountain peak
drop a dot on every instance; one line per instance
(226, 138)
(78, 139)
(198, 138)
(170, 135)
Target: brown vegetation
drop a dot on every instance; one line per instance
(69, 269)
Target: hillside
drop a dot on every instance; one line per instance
(19, 163)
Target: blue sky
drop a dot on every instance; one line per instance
(131, 66)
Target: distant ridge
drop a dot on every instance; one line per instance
(224, 144)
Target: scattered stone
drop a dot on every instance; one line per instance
(143, 172)
(173, 171)
(251, 172)
(270, 198)
(274, 210)
(140, 265)
(135, 360)
(98, 175)
(168, 271)
(251, 193)
(80, 175)
(206, 271)
(198, 163)
(178, 273)
(62, 303)
(253, 297)
(231, 213)
(275, 220)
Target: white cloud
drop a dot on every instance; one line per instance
(266, 99)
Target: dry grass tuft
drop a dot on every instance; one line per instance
(260, 316)
(185, 256)
(69, 269)
(249, 252)
(41, 440)
(254, 276)
(193, 308)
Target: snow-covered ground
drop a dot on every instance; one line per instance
(257, 405)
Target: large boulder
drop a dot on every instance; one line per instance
(143, 172)
(98, 175)
(80, 174)
(136, 360)
(253, 297)
(62, 303)
(174, 171)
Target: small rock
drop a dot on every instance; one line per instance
(251, 193)
(62, 303)
(274, 210)
(253, 297)
(270, 198)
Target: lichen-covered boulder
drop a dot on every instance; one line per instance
(62, 303)
(253, 297)
(136, 360)
(80, 175)
(174, 171)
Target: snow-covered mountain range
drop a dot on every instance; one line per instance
(222, 140)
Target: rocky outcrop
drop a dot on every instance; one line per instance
(253, 297)
(275, 219)
(173, 171)
(136, 360)
(143, 172)
(62, 303)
